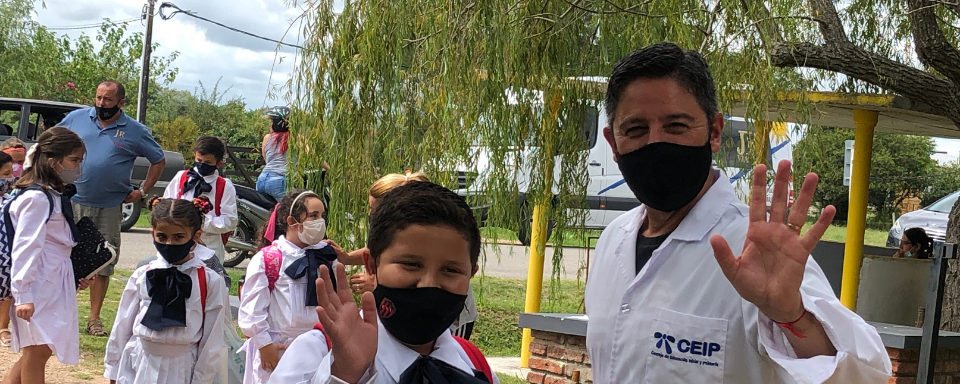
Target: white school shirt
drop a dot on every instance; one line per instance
(681, 321)
(213, 226)
(308, 360)
(207, 330)
(280, 315)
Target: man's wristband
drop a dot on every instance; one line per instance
(789, 326)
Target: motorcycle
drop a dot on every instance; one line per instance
(254, 209)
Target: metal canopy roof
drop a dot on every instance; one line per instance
(897, 114)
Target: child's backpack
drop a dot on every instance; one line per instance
(218, 198)
(272, 260)
(476, 357)
(6, 240)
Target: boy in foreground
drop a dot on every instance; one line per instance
(424, 244)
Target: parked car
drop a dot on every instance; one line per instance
(932, 218)
(17, 114)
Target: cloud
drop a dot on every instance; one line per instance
(208, 53)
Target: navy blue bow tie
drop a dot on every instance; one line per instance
(196, 183)
(168, 289)
(432, 371)
(307, 266)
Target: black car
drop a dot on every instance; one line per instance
(17, 114)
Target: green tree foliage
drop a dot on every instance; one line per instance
(901, 167)
(177, 135)
(37, 63)
(385, 86)
(943, 180)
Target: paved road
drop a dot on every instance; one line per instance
(511, 261)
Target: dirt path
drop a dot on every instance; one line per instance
(87, 372)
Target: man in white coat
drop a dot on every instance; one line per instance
(668, 298)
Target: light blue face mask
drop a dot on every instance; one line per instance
(908, 254)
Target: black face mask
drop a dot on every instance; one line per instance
(666, 176)
(417, 316)
(107, 113)
(174, 253)
(204, 169)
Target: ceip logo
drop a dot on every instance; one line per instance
(702, 348)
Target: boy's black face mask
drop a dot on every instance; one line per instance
(417, 316)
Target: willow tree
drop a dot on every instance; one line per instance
(387, 86)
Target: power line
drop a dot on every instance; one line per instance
(194, 15)
(87, 26)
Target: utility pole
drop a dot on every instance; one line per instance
(145, 67)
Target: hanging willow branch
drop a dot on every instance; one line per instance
(423, 85)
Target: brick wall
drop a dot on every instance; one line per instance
(906, 362)
(555, 358)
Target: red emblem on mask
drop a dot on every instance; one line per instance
(387, 309)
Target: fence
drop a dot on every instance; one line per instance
(243, 165)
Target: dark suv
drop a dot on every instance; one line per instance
(21, 118)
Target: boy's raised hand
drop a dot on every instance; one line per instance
(354, 338)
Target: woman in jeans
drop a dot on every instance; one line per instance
(272, 179)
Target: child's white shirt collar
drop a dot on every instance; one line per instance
(395, 357)
(291, 250)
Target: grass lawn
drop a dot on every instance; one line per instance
(573, 238)
(578, 238)
(144, 220)
(837, 233)
(500, 302)
(93, 348)
(507, 379)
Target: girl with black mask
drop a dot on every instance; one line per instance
(169, 325)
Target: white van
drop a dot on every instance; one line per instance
(607, 194)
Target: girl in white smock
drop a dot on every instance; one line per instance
(44, 289)
(278, 301)
(169, 325)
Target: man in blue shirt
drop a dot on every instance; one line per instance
(113, 141)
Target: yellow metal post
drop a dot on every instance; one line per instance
(538, 233)
(864, 122)
(761, 141)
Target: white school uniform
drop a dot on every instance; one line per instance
(308, 360)
(213, 226)
(176, 355)
(681, 321)
(273, 317)
(43, 275)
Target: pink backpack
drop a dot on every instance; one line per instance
(272, 260)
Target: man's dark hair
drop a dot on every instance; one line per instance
(209, 145)
(658, 61)
(121, 91)
(421, 203)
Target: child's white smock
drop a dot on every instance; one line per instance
(43, 275)
(176, 355)
(273, 317)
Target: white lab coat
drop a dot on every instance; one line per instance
(681, 321)
(213, 226)
(176, 355)
(308, 360)
(42, 274)
(273, 317)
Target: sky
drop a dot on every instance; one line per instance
(208, 53)
(245, 67)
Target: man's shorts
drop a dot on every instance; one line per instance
(107, 221)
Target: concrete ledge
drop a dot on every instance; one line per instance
(904, 337)
(892, 335)
(565, 323)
